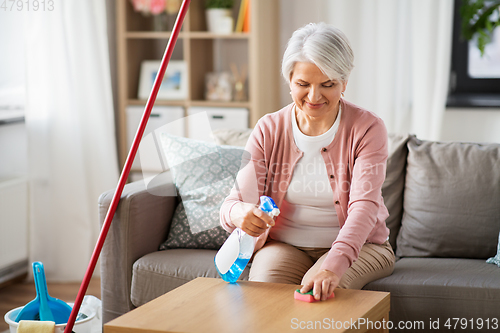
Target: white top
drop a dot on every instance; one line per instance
(308, 217)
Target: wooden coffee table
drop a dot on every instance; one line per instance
(212, 305)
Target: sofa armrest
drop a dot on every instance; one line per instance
(140, 224)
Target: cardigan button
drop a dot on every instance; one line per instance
(337, 202)
(324, 149)
(332, 176)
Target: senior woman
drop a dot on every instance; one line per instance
(322, 159)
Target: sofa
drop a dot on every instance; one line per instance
(444, 205)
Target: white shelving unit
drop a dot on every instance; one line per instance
(203, 52)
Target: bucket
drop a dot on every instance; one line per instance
(81, 325)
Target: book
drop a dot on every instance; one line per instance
(246, 21)
(241, 16)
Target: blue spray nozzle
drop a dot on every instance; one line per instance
(268, 205)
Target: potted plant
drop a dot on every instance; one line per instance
(479, 19)
(219, 16)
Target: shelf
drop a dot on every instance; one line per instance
(157, 102)
(209, 35)
(203, 52)
(220, 104)
(151, 34)
(192, 103)
(192, 35)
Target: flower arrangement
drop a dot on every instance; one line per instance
(156, 7)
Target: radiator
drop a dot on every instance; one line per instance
(13, 228)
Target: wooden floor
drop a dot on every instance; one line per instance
(20, 293)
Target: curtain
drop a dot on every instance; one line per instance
(402, 52)
(71, 140)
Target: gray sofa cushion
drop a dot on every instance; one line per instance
(451, 200)
(159, 272)
(393, 187)
(422, 288)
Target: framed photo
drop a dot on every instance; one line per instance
(174, 85)
(219, 86)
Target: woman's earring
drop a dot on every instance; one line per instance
(342, 94)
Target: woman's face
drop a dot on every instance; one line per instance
(313, 92)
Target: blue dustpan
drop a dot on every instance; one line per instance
(44, 307)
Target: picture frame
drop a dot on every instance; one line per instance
(174, 85)
(218, 86)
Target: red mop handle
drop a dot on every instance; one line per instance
(127, 166)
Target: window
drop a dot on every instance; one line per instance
(474, 80)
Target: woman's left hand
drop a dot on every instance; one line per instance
(323, 284)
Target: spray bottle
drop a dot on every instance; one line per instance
(235, 253)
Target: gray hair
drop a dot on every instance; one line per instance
(323, 45)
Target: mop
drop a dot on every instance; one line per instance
(128, 165)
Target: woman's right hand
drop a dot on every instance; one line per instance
(250, 219)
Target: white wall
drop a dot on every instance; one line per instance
(11, 60)
(293, 15)
(473, 125)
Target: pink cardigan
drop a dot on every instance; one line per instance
(355, 161)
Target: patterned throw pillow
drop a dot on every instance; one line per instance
(203, 174)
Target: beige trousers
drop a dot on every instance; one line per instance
(283, 263)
